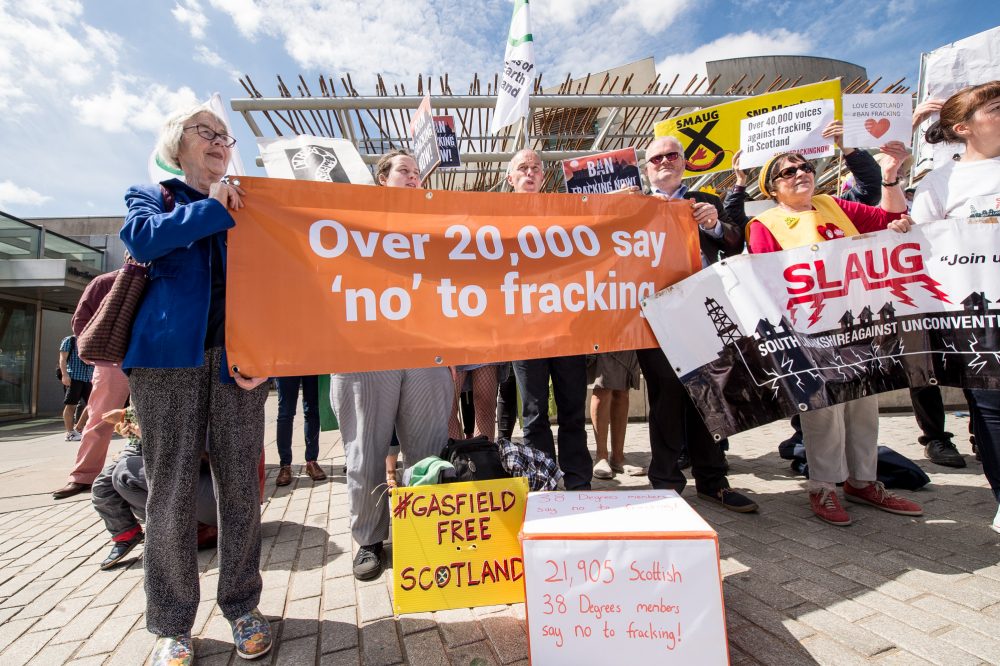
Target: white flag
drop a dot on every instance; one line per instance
(518, 71)
(159, 170)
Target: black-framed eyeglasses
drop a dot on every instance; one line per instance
(209, 134)
(790, 171)
(670, 157)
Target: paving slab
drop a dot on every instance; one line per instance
(886, 590)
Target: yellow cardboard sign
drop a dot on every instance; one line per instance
(711, 136)
(455, 545)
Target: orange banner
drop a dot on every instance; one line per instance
(329, 277)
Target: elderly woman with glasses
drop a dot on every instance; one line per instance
(183, 392)
(841, 441)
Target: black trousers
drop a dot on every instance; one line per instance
(507, 405)
(928, 409)
(569, 388)
(673, 422)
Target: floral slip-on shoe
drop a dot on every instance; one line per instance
(252, 635)
(173, 651)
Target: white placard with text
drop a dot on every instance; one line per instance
(630, 573)
(874, 120)
(796, 128)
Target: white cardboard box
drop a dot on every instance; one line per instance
(629, 574)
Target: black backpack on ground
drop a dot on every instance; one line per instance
(894, 469)
(476, 459)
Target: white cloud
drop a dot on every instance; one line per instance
(901, 8)
(12, 194)
(400, 38)
(743, 45)
(246, 14)
(131, 105)
(582, 36)
(651, 16)
(53, 11)
(205, 55)
(44, 46)
(191, 15)
(562, 14)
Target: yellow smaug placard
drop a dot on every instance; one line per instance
(455, 545)
(711, 135)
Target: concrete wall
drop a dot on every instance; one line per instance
(810, 68)
(97, 232)
(80, 226)
(894, 401)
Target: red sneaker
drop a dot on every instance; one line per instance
(876, 495)
(826, 506)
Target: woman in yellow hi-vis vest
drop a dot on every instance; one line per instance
(841, 441)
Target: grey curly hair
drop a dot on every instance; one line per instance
(169, 142)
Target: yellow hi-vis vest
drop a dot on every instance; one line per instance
(827, 222)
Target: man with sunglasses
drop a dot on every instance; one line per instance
(674, 421)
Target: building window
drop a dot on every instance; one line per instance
(17, 340)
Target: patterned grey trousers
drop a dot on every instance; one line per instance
(176, 409)
(368, 405)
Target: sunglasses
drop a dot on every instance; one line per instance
(670, 157)
(209, 134)
(790, 171)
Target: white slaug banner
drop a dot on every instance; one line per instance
(766, 336)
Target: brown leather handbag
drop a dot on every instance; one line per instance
(104, 340)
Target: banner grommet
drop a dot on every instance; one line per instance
(803, 407)
(933, 381)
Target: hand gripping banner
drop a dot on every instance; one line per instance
(766, 336)
(328, 277)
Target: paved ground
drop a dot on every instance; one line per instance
(886, 590)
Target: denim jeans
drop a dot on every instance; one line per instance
(288, 396)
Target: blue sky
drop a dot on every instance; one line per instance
(85, 85)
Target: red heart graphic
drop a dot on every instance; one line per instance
(830, 231)
(877, 127)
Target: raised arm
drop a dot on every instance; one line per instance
(149, 233)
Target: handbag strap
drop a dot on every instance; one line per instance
(168, 199)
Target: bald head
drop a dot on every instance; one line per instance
(525, 172)
(665, 163)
